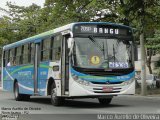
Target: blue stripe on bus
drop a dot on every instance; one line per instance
(111, 79)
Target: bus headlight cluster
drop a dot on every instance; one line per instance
(82, 82)
(128, 82)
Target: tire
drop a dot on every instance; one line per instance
(18, 96)
(158, 84)
(104, 101)
(55, 100)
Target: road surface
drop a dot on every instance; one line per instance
(40, 108)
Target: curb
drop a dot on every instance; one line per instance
(139, 96)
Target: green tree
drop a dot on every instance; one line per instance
(6, 34)
(25, 20)
(140, 14)
(153, 44)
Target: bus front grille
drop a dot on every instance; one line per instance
(100, 90)
(106, 83)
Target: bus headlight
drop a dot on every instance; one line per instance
(128, 82)
(82, 82)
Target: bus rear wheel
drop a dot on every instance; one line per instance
(55, 100)
(17, 95)
(104, 101)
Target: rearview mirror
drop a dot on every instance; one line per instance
(70, 45)
(70, 42)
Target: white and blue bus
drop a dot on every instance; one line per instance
(78, 60)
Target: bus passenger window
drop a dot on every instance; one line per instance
(45, 49)
(56, 54)
(14, 61)
(18, 55)
(32, 52)
(11, 56)
(5, 59)
(25, 54)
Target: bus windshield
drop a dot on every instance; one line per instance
(102, 53)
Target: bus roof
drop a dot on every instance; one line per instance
(54, 31)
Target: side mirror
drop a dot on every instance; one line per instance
(70, 42)
(70, 45)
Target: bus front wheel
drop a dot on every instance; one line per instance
(17, 95)
(105, 101)
(55, 100)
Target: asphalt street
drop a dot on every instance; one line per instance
(40, 108)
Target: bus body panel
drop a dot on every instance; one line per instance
(24, 77)
(56, 75)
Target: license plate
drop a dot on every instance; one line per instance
(107, 89)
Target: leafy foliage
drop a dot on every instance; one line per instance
(23, 22)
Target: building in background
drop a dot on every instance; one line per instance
(154, 59)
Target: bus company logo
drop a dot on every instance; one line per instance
(107, 82)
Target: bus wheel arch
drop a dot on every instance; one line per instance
(52, 90)
(15, 89)
(17, 95)
(49, 85)
(15, 80)
(56, 100)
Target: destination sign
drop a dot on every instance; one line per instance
(101, 29)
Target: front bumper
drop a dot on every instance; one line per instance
(77, 89)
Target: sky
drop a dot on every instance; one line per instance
(20, 3)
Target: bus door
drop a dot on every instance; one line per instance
(65, 66)
(36, 65)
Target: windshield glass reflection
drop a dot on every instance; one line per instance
(102, 53)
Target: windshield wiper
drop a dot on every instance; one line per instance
(113, 53)
(129, 50)
(101, 48)
(96, 43)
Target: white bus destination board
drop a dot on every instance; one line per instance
(101, 29)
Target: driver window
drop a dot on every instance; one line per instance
(56, 50)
